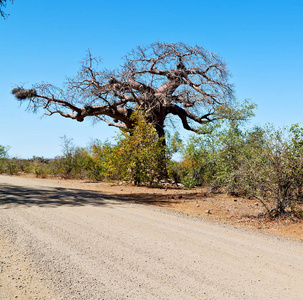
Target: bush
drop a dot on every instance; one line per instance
(273, 171)
(209, 159)
(74, 163)
(100, 155)
(3, 158)
(140, 154)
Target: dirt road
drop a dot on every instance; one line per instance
(60, 243)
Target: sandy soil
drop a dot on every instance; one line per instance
(90, 240)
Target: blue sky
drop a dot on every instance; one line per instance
(261, 41)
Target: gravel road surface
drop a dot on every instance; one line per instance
(61, 243)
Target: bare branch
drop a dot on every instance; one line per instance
(121, 126)
(71, 116)
(160, 79)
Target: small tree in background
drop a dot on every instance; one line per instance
(3, 152)
(3, 158)
(8, 165)
(74, 163)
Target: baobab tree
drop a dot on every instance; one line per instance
(160, 79)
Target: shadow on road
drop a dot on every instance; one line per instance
(11, 196)
(50, 196)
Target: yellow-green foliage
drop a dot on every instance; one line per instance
(140, 153)
(101, 156)
(138, 156)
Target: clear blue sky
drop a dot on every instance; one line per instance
(262, 42)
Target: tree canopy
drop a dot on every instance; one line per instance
(161, 79)
(3, 4)
(3, 151)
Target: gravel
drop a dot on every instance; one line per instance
(64, 243)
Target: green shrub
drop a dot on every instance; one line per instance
(273, 170)
(74, 163)
(140, 154)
